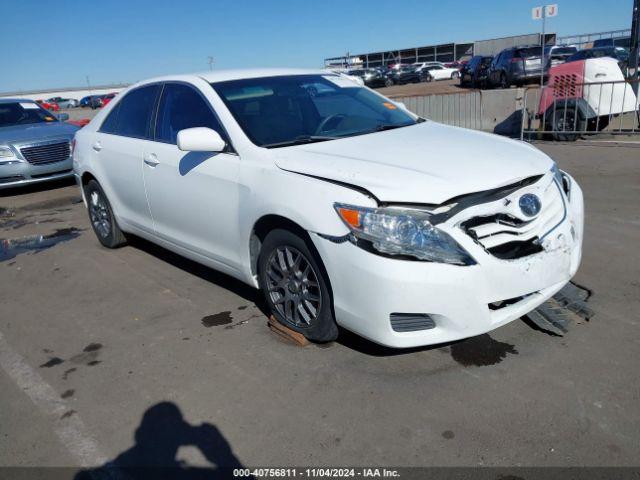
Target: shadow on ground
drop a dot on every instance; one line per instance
(162, 431)
(222, 280)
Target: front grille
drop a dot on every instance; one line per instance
(509, 235)
(46, 153)
(411, 322)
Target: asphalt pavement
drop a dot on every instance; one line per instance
(138, 353)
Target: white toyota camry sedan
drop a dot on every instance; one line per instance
(343, 207)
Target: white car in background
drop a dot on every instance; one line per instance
(438, 72)
(340, 205)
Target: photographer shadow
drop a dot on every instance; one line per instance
(162, 431)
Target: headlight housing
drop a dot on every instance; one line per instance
(7, 155)
(403, 232)
(562, 179)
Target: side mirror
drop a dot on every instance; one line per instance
(200, 139)
(63, 117)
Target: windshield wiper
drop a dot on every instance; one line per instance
(301, 140)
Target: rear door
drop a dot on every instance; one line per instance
(193, 196)
(118, 149)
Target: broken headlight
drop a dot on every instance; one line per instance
(403, 233)
(562, 179)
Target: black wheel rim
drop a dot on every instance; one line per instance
(565, 124)
(292, 286)
(99, 214)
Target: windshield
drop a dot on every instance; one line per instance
(22, 113)
(288, 110)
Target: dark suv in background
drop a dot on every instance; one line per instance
(474, 72)
(619, 53)
(517, 66)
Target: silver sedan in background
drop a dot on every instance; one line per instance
(35, 144)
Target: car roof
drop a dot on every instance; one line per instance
(14, 100)
(238, 74)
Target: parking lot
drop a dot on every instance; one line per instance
(138, 352)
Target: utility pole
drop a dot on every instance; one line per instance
(543, 44)
(89, 85)
(635, 45)
(210, 62)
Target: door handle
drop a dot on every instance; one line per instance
(151, 160)
(97, 146)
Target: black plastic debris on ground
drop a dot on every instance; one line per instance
(567, 306)
(10, 248)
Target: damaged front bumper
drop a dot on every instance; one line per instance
(403, 303)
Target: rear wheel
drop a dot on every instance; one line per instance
(563, 123)
(101, 216)
(388, 82)
(455, 75)
(296, 286)
(503, 81)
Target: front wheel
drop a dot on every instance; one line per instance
(455, 75)
(101, 216)
(388, 82)
(296, 286)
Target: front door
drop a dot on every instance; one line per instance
(193, 196)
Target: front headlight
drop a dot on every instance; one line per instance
(403, 232)
(7, 155)
(562, 179)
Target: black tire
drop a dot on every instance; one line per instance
(286, 286)
(388, 82)
(428, 78)
(455, 75)
(101, 216)
(562, 121)
(504, 83)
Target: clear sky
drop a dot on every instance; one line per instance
(58, 43)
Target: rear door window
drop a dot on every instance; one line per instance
(133, 113)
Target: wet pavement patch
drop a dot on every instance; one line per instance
(94, 363)
(52, 362)
(481, 351)
(67, 414)
(67, 393)
(448, 434)
(92, 347)
(11, 248)
(67, 372)
(222, 318)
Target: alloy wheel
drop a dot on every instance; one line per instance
(292, 286)
(99, 214)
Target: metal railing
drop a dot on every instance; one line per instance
(568, 110)
(457, 109)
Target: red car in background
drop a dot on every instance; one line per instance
(107, 98)
(53, 107)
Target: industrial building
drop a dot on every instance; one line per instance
(450, 52)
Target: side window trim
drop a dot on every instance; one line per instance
(225, 136)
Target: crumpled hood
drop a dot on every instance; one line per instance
(36, 132)
(424, 163)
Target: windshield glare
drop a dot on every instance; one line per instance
(22, 113)
(276, 111)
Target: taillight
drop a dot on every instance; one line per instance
(516, 60)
